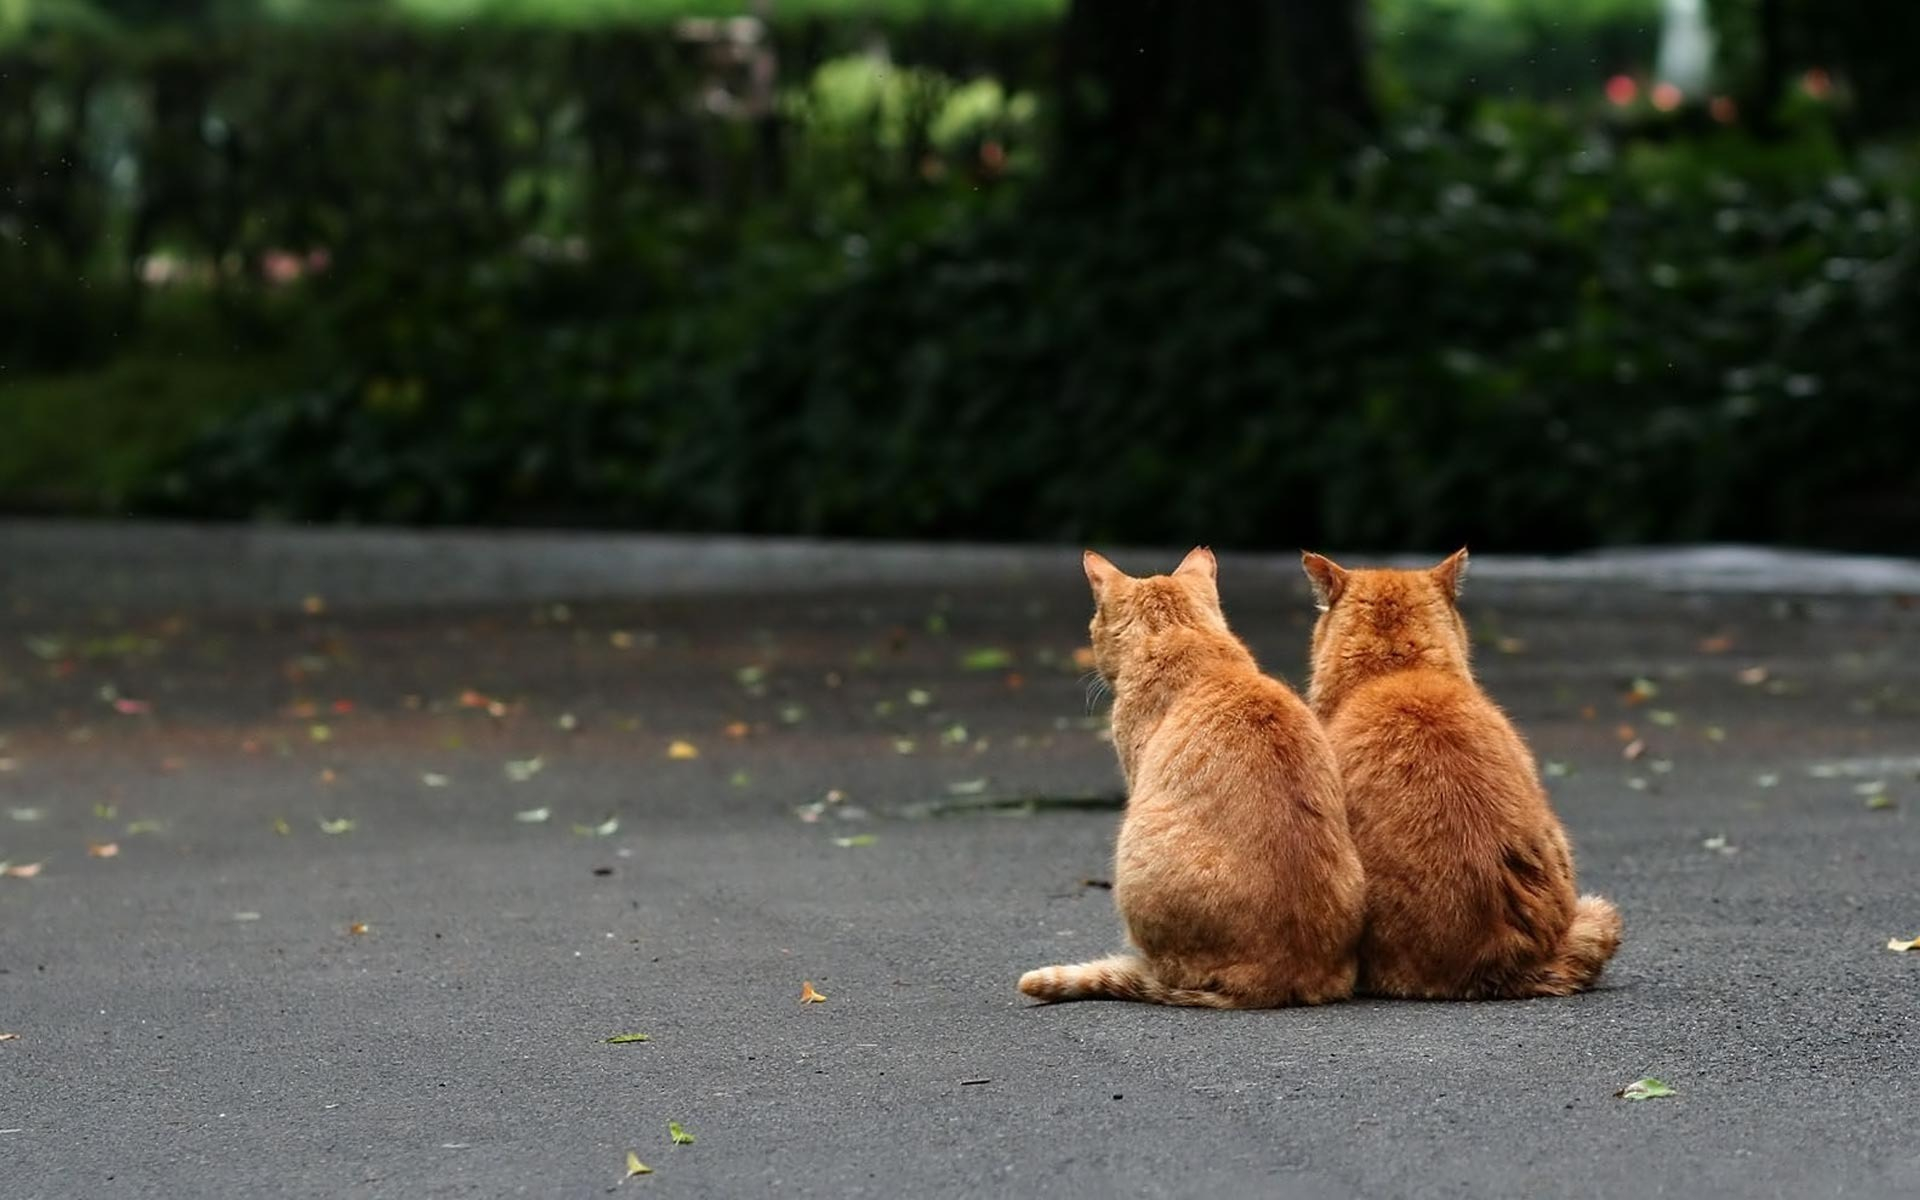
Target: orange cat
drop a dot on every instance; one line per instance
(1234, 874)
(1469, 877)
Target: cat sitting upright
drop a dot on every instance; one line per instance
(1234, 874)
(1469, 877)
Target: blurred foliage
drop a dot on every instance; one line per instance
(620, 276)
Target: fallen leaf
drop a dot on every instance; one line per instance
(1766, 779)
(635, 1166)
(858, 839)
(434, 779)
(904, 746)
(1719, 643)
(520, 770)
(106, 812)
(357, 928)
(1901, 947)
(1556, 770)
(954, 735)
(26, 814)
(1716, 734)
(919, 697)
(567, 722)
(532, 816)
(682, 749)
(792, 714)
(1624, 732)
(1643, 690)
(738, 729)
(740, 779)
(320, 733)
(9, 1037)
(281, 827)
(131, 708)
(1880, 802)
(1666, 718)
(809, 996)
(749, 677)
(21, 870)
(1644, 1089)
(135, 828)
(621, 1039)
(967, 787)
(336, 825)
(606, 828)
(1873, 787)
(1752, 676)
(1719, 843)
(103, 849)
(937, 623)
(680, 1136)
(1633, 750)
(986, 658)
(246, 916)
(313, 606)
(620, 639)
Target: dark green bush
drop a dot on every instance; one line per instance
(1512, 334)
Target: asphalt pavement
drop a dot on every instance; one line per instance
(325, 880)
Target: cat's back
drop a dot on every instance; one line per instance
(1430, 731)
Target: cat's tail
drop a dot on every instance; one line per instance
(1584, 952)
(1121, 977)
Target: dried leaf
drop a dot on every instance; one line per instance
(738, 729)
(622, 1039)
(606, 828)
(520, 770)
(9, 1037)
(620, 639)
(809, 996)
(635, 1166)
(21, 870)
(357, 928)
(986, 658)
(532, 816)
(1717, 644)
(1752, 676)
(1644, 1089)
(680, 1136)
(682, 749)
(1633, 750)
(1901, 947)
(103, 849)
(858, 839)
(1719, 843)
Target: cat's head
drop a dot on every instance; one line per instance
(1388, 619)
(1128, 612)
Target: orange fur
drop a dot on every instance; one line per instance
(1234, 873)
(1469, 876)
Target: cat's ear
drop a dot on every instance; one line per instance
(1452, 573)
(1199, 561)
(1101, 574)
(1328, 578)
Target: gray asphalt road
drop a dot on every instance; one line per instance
(196, 1018)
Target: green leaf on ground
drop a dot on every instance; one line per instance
(986, 658)
(522, 769)
(621, 1039)
(858, 839)
(1644, 1089)
(680, 1136)
(635, 1166)
(335, 825)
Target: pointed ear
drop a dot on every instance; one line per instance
(1199, 561)
(1100, 572)
(1451, 573)
(1328, 578)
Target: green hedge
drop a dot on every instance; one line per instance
(1514, 334)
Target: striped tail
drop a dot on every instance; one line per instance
(1584, 952)
(1121, 977)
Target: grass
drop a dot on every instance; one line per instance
(81, 441)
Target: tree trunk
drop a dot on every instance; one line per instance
(1144, 84)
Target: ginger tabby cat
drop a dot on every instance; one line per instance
(1234, 873)
(1469, 877)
